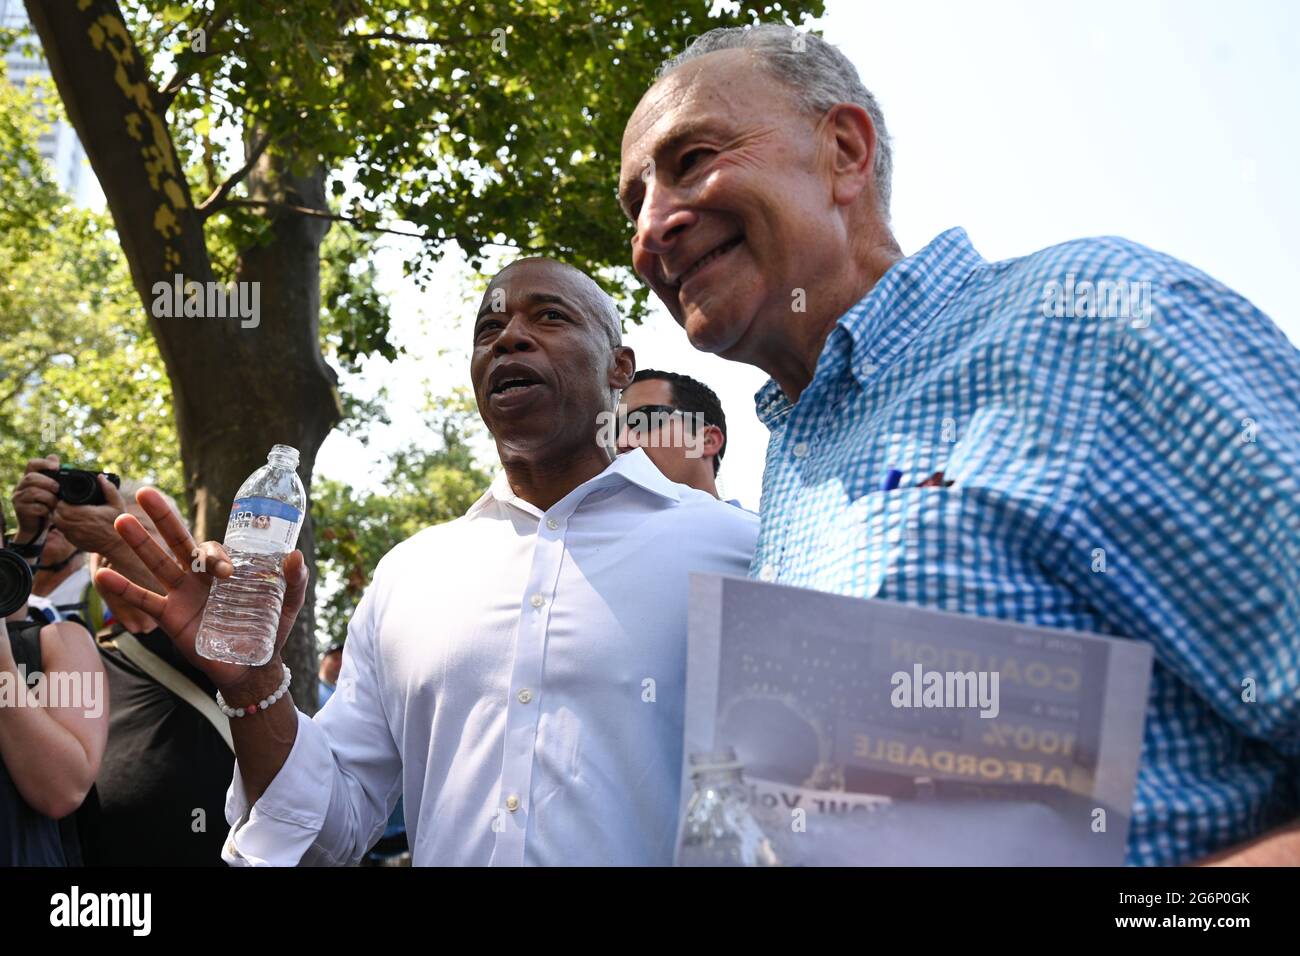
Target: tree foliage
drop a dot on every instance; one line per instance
(81, 375)
(228, 134)
(493, 123)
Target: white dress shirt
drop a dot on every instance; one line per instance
(518, 676)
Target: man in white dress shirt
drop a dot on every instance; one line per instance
(517, 675)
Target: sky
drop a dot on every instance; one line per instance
(1174, 124)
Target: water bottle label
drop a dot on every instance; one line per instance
(263, 526)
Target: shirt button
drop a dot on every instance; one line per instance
(552, 524)
(538, 600)
(512, 803)
(801, 449)
(525, 696)
(767, 572)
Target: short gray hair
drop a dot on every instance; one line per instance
(130, 486)
(817, 73)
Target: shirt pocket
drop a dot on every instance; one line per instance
(900, 544)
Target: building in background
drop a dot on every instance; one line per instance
(59, 144)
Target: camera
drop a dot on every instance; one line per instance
(15, 575)
(15, 582)
(78, 487)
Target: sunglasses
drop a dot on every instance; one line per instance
(645, 418)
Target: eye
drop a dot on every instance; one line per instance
(692, 157)
(555, 314)
(491, 325)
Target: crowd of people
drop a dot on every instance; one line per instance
(937, 437)
(153, 766)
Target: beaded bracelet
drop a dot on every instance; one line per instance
(260, 705)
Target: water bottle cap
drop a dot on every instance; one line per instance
(716, 762)
(285, 455)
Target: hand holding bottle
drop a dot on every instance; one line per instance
(187, 574)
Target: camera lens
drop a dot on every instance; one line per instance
(15, 582)
(78, 487)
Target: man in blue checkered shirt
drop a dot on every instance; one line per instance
(1095, 436)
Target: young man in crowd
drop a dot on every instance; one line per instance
(678, 422)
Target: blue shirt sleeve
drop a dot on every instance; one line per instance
(1189, 525)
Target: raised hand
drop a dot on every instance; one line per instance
(35, 497)
(187, 575)
(90, 527)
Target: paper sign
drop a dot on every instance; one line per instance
(876, 733)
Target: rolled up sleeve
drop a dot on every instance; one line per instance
(333, 795)
(283, 825)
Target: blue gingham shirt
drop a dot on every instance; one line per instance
(1132, 475)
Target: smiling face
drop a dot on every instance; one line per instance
(544, 366)
(727, 184)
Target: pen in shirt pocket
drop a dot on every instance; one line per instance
(894, 476)
(936, 480)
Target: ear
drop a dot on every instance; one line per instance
(851, 141)
(622, 368)
(714, 441)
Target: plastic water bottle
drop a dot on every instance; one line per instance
(722, 826)
(243, 610)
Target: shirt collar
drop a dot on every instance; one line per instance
(880, 325)
(633, 467)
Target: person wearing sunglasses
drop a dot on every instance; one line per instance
(678, 422)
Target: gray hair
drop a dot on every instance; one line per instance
(818, 74)
(130, 486)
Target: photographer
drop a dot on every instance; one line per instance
(63, 532)
(50, 746)
(160, 794)
(166, 766)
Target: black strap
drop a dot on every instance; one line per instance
(58, 565)
(30, 549)
(25, 639)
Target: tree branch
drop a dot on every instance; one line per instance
(417, 41)
(322, 214)
(218, 197)
(189, 65)
(359, 224)
(23, 380)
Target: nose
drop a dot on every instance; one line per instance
(514, 338)
(662, 218)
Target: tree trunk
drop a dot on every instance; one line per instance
(236, 391)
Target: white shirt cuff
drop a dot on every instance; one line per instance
(287, 819)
